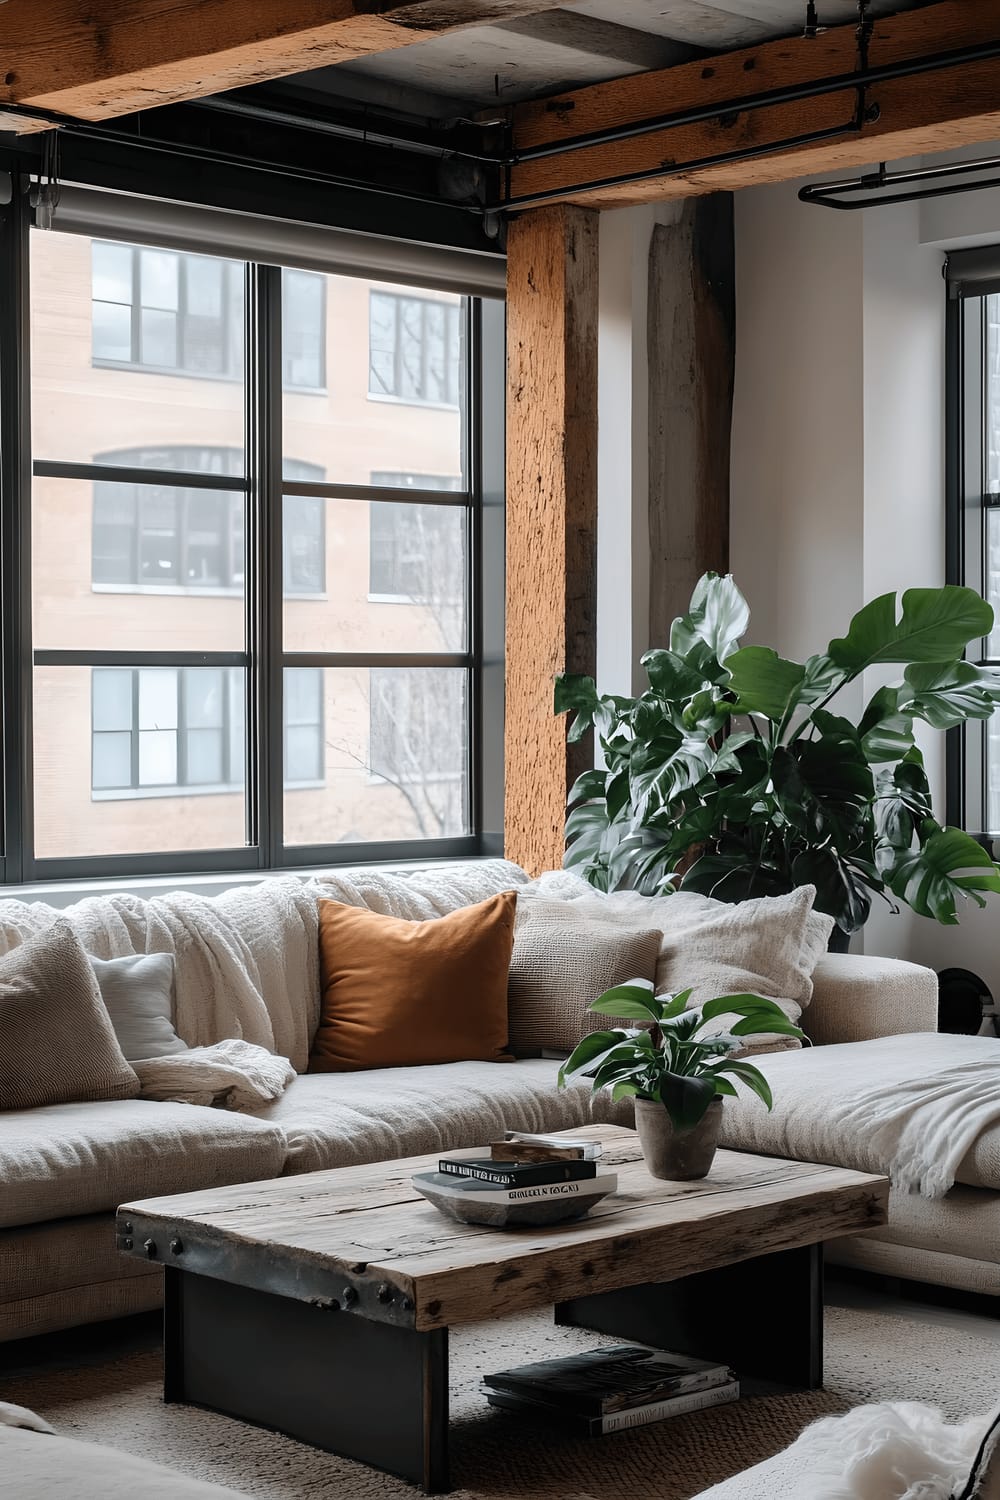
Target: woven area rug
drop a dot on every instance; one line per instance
(870, 1356)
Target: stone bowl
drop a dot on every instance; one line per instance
(469, 1206)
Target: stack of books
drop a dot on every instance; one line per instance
(524, 1180)
(612, 1389)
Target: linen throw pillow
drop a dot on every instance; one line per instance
(768, 946)
(57, 1043)
(137, 992)
(401, 994)
(562, 960)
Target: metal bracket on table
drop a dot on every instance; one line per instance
(251, 1265)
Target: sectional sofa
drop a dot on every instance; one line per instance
(64, 1168)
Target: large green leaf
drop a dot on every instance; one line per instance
(717, 618)
(764, 682)
(670, 676)
(822, 678)
(586, 787)
(946, 695)
(886, 730)
(824, 788)
(936, 625)
(685, 1098)
(947, 864)
(748, 1074)
(631, 1001)
(841, 892)
(730, 875)
(742, 1005)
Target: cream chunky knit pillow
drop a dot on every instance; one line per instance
(57, 1043)
(563, 959)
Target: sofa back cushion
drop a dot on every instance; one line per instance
(137, 991)
(397, 993)
(57, 1043)
(768, 946)
(563, 960)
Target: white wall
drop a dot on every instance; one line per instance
(838, 446)
(623, 451)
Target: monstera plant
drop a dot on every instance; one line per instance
(734, 775)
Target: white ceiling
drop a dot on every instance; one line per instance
(582, 42)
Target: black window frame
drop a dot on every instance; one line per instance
(264, 658)
(971, 278)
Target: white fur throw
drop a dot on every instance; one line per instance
(20, 1416)
(900, 1450)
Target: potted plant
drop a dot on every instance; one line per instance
(732, 775)
(675, 1074)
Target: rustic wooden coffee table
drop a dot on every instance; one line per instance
(320, 1305)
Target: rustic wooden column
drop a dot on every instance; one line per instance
(691, 342)
(551, 514)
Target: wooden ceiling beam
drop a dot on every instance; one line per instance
(97, 59)
(936, 111)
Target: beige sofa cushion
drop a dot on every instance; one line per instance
(347, 1119)
(564, 959)
(56, 1038)
(808, 1084)
(69, 1159)
(39, 1466)
(63, 1254)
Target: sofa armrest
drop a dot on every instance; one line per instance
(856, 998)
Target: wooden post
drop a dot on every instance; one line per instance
(551, 514)
(691, 334)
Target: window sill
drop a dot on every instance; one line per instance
(63, 893)
(147, 793)
(387, 400)
(174, 590)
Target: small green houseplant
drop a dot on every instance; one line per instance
(732, 775)
(675, 1074)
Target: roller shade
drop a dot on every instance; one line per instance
(973, 273)
(277, 242)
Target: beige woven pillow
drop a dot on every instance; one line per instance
(57, 1043)
(562, 960)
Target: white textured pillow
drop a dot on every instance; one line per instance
(768, 946)
(137, 991)
(563, 959)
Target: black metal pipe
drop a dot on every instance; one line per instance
(790, 94)
(366, 134)
(722, 158)
(831, 194)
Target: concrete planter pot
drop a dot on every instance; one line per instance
(677, 1156)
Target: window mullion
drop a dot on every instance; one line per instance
(15, 493)
(264, 562)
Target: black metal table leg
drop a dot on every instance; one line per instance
(370, 1391)
(762, 1316)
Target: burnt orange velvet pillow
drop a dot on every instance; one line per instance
(398, 994)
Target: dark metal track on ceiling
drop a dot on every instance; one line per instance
(482, 147)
